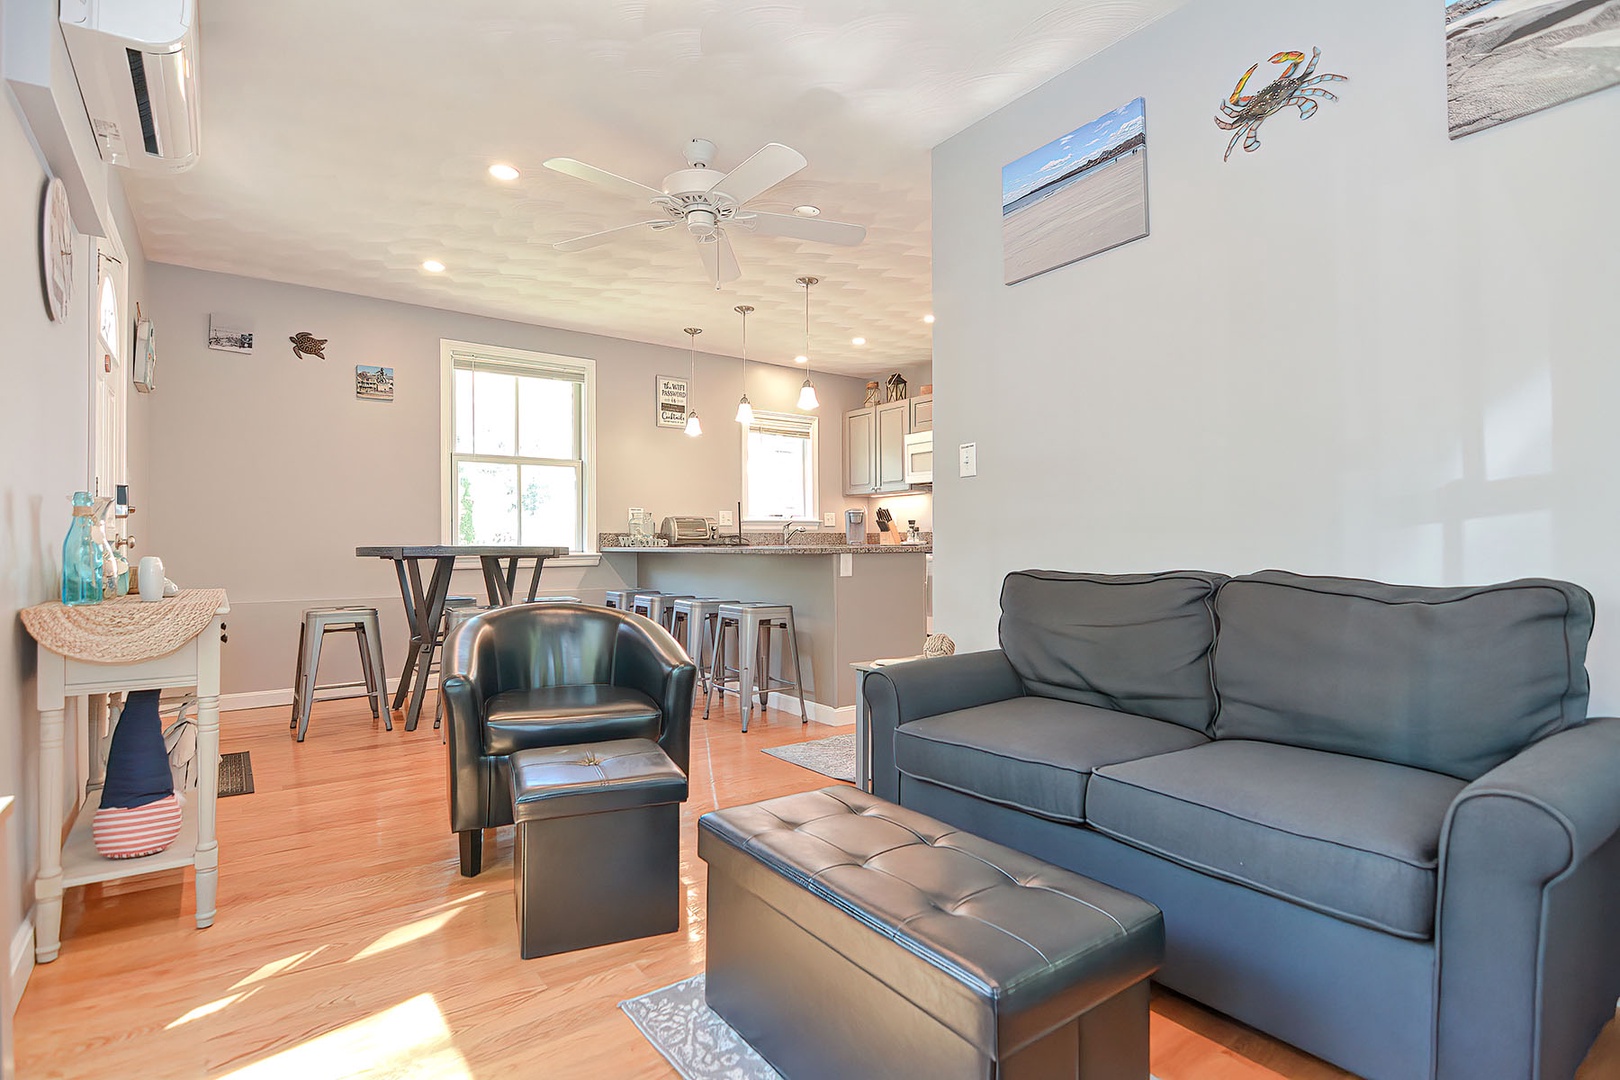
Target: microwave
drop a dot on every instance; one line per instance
(919, 448)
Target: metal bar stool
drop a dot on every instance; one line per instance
(752, 623)
(659, 607)
(318, 622)
(453, 617)
(623, 599)
(691, 622)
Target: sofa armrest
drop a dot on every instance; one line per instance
(905, 692)
(648, 659)
(1527, 945)
(464, 736)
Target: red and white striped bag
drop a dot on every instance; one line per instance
(124, 833)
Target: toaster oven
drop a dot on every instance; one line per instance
(687, 530)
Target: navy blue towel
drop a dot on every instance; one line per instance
(137, 763)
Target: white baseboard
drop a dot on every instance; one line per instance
(21, 958)
(265, 699)
(821, 714)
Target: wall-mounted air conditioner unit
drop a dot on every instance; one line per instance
(137, 66)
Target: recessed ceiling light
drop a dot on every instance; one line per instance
(857, 341)
(928, 318)
(801, 359)
(433, 266)
(503, 172)
(807, 210)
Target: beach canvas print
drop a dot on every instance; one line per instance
(1076, 196)
(1508, 58)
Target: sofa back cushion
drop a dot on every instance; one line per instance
(1454, 680)
(1137, 643)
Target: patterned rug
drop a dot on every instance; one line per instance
(687, 1032)
(834, 757)
(700, 1045)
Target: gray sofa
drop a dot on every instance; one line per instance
(1378, 821)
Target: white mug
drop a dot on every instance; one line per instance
(150, 577)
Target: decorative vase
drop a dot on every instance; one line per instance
(81, 557)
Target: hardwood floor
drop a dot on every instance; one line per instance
(348, 945)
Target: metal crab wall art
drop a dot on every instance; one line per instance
(1246, 112)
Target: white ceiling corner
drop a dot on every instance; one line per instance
(345, 143)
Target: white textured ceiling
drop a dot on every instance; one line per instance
(344, 143)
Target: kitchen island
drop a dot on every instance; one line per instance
(850, 602)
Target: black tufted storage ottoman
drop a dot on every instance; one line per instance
(598, 844)
(849, 937)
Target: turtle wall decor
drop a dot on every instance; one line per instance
(305, 344)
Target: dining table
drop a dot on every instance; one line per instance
(424, 605)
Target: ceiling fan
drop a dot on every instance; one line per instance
(709, 203)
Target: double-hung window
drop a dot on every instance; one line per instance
(519, 440)
(779, 463)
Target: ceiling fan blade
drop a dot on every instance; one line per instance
(590, 240)
(720, 261)
(770, 165)
(604, 179)
(801, 228)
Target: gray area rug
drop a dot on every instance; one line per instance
(834, 757)
(701, 1046)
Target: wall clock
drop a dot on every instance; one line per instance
(56, 249)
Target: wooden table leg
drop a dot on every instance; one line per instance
(51, 691)
(431, 614)
(534, 582)
(410, 589)
(206, 861)
(495, 586)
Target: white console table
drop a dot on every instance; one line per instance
(121, 631)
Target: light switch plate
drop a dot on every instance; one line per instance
(846, 565)
(968, 459)
(725, 517)
(830, 519)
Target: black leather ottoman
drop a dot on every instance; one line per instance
(850, 937)
(598, 844)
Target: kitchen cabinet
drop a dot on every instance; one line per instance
(922, 413)
(875, 449)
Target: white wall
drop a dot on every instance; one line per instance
(1362, 350)
(266, 472)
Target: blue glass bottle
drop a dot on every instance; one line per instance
(81, 557)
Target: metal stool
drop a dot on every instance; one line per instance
(453, 617)
(691, 620)
(318, 622)
(753, 623)
(623, 599)
(659, 607)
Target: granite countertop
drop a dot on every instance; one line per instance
(776, 549)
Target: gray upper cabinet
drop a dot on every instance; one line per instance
(875, 449)
(922, 413)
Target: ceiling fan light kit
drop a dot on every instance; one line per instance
(745, 411)
(709, 204)
(807, 392)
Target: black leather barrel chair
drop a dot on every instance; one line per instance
(553, 675)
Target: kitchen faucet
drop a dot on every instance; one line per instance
(790, 530)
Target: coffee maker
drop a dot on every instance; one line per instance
(854, 526)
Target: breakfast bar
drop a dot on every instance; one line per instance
(850, 602)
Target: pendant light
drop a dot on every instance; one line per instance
(745, 411)
(807, 392)
(694, 427)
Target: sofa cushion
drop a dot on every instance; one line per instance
(1031, 753)
(1352, 838)
(1138, 643)
(565, 715)
(1456, 680)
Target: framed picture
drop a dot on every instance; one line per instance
(373, 383)
(227, 335)
(145, 369)
(1076, 196)
(1509, 58)
(672, 401)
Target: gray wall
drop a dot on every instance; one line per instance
(1363, 349)
(266, 472)
(44, 458)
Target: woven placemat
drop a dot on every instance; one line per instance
(125, 630)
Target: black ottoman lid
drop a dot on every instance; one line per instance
(592, 778)
(1022, 937)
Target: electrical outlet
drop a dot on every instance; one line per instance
(968, 459)
(830, 519)
(846, 565)
(725, 517)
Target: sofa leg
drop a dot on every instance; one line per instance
(472, 852)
